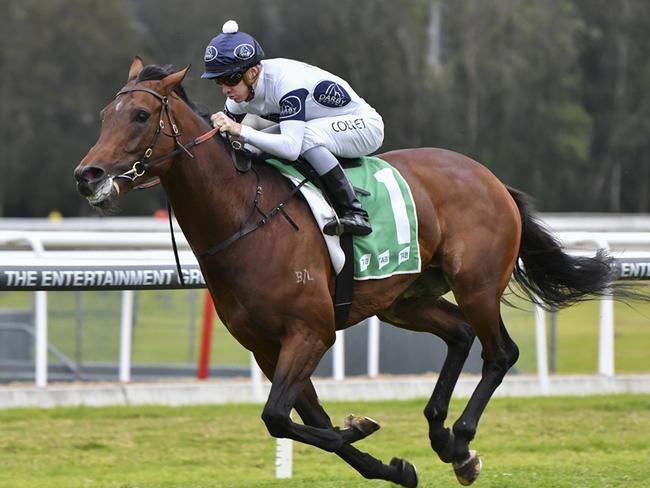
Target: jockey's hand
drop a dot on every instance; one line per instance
(226, 124)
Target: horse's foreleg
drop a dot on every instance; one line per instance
(298, 357)
(312, 413)
(318, 428)
(444, 319)
(398, 471)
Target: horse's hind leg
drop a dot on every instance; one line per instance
(499, 353)
(444, 319)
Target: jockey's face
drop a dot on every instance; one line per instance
(237, 93)
(242, 91)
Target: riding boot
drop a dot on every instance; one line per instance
(352, 218)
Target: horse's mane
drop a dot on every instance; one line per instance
(156, 72)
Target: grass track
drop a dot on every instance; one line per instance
(599, 441)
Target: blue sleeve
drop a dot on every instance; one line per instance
(292, 105)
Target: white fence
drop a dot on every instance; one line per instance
(52, 256)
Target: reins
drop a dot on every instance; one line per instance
(142, 165)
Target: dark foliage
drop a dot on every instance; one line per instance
(551, 96)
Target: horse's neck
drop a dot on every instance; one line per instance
(210, 199)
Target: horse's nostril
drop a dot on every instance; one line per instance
(89, 174)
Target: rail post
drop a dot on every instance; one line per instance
(206, 338)
(126, 335)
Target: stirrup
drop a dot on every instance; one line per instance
(347, 224)
(334, 227)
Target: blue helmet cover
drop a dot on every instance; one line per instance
(229, 53)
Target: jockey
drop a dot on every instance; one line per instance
(317, 114)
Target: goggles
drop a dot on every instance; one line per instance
(231, 79)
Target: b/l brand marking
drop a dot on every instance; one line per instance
(303, 276)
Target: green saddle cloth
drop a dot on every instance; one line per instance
(392, 247)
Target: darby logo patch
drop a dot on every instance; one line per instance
(290, 106)
(331, 94)
(244, 51)
(211, 54)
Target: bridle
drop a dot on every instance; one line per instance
(141, 166)
(144, 164)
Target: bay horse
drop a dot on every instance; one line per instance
(475, 233)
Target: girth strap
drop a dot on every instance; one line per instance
(344, 283)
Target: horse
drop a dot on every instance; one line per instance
(475, 234)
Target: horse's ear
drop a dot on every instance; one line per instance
(170, 82)
(136, 67)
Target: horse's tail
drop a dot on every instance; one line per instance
(551, 277)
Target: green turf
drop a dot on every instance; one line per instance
(533, 442)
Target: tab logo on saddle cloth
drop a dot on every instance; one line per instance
(392, 247)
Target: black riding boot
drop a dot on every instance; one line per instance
(352, 218)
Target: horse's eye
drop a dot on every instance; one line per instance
(141, 116)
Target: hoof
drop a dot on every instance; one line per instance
(365, 425)
(468, 470)
(357, 428)
(408, 476)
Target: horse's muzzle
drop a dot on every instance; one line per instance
(88, 179)
(94, 183)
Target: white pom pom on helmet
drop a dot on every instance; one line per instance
(230, 27)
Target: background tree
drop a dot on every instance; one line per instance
(551, 96)
(614, 59)
(59, 66)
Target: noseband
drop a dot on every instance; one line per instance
(142, 165)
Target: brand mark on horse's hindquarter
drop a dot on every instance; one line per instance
(303, 276)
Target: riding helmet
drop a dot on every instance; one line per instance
(231, 52)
